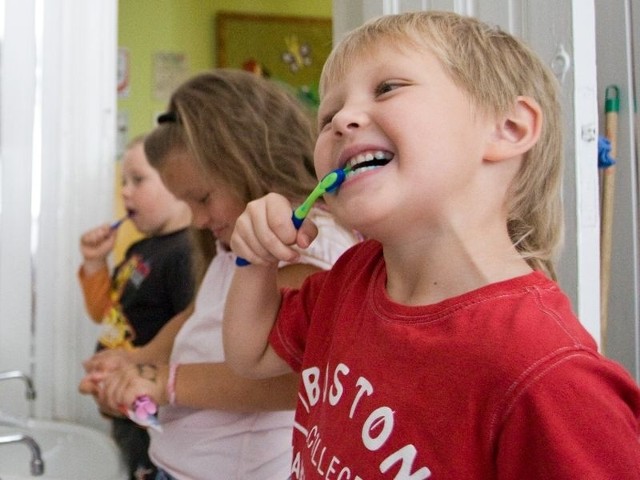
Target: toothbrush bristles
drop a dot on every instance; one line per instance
(341, 175)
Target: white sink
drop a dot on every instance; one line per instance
(69, 451)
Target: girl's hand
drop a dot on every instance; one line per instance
(109, 360)
(121, 388)
(264, 233)
(99, 367)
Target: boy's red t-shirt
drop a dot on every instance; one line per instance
(501, 382)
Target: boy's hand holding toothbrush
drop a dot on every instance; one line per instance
(97, 243)
(264, 233)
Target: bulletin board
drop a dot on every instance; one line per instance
(288, 49)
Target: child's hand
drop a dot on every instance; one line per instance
(264, 233)
(122, 387)
(90, 384)
(108, 360)
(93, 384)
(97, 243)
(97, 369)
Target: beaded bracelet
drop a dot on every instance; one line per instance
(171, 383)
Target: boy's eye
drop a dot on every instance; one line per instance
(385, 87)
(204, 199)
(133, 180)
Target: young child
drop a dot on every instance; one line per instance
(153, 283)
(228, 137)
(440, 347)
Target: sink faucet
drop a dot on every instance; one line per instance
(31, 393)
(37, 464)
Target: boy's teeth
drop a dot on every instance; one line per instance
(367, 157)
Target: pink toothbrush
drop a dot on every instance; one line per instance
(144, 412)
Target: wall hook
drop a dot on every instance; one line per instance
(561, 63)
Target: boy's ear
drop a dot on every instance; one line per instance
(516, 132)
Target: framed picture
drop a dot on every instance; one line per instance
(290, 50)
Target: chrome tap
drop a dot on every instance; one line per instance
(31, 393)
(37, 464)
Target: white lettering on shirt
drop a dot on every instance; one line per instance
(376, 430)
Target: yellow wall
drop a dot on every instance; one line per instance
(146, 27)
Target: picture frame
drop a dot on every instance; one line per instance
(290, 50)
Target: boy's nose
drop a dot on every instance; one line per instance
(125, 190)
(349, 119)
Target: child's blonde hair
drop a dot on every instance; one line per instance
(493, 68)
(241, 129)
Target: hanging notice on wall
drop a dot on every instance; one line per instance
(123, 72)
(170, 69)
(122, 133)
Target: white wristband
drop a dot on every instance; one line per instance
(171, 383)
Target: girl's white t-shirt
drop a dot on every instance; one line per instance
(202, 444)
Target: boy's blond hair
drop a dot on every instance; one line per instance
(493, 68)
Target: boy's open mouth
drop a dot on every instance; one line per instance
(368, 160)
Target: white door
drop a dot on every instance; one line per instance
(17, 91)
(563, 34)
(57, 149)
